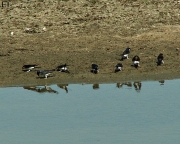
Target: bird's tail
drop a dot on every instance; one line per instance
(36, 66)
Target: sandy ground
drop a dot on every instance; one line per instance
(80, 33)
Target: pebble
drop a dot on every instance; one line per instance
(44, 28)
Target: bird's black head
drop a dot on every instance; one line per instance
(136, 58)
(120, 65)
(94, 66)
(24, 66)
(128, 48)
(65, 65)
(160, 55)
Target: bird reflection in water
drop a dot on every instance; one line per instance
(40, 89)
(129, 84)
(63, 86)
(137, 86)
(119, 85)
(95, 86)
(162, 82)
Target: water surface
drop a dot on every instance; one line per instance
(142, 112)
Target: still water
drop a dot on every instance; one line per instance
(144, 113)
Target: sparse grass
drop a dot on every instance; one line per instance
(93, 1)
(78, 16)
(63, 0)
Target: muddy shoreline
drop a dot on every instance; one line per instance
(96, 79)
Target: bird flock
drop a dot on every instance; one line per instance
(94, 67)
(45, 73)
(135, 60)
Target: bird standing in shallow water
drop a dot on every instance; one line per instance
(62, 68)
(44, 73)
(29, 67)
(94, 68)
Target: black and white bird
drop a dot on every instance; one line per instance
(62, 68)
(44, 73)
(118, 67)
(29, 67)
(136, 61)
(94, 68)
(160, 59)
(126, 53)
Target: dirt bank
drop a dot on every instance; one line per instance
(79, 33)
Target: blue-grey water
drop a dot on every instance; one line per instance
(91, 114)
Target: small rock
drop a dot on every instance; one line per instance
(27, 30)
(44, 29)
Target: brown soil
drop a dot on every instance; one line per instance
(81, 32)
